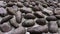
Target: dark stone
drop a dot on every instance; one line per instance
(29, 16)
(51, 18)
(35, 8)
(28, 23)
(39, 14)
(58, 22)
(41, 21)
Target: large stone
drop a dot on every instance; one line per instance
(6, 18)
(3, 4)
(11, 10)
(28, 23)
(5, 27)
(13, 22)
(38, 29)
(41, 21)
(53, 27)
(20, 30)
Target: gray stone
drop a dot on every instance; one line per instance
(20, 30)
(6, 18)
(13, 22)
(3, 12)
(18, 16)
(28, 23)
(5, 27)
(53, 27)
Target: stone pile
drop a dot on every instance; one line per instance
(29, 17)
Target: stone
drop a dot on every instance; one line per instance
(26, 10)
(57, 11)
(3, 4)
(29, 16)
(13, 22)
(6, 27)
(10, 4)
(19, 4)
(41, 21)
(47, 12)
(20, 30)
(51, 18)
(38, 29)
(53, 27)
(6, 18)
(18, 16)
(28, 23)
(3, 12)
(39, 14)
(11, 10)
(57, 16)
